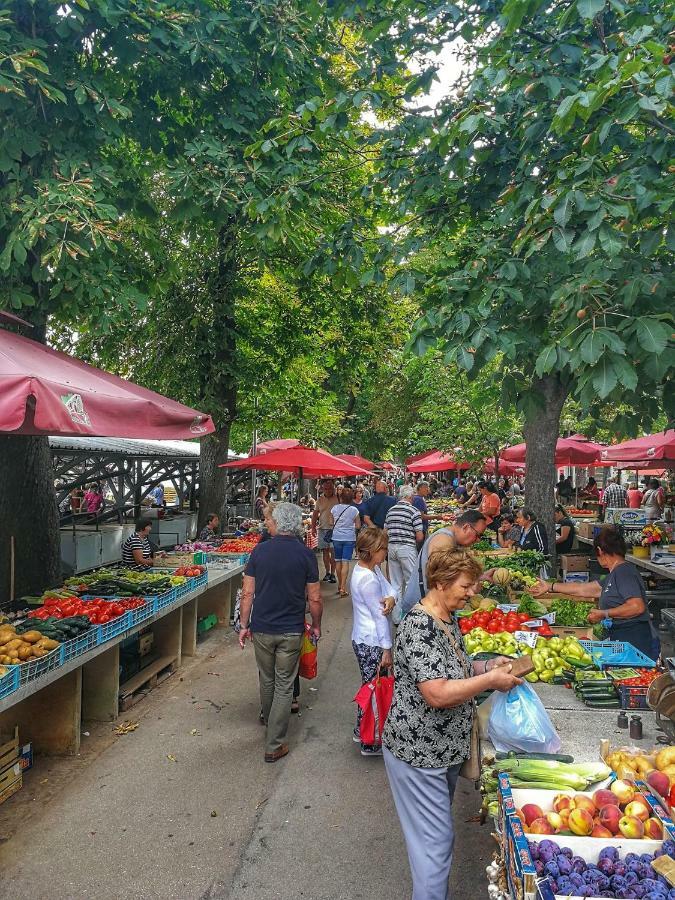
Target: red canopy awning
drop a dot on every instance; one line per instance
(356, 460)
(419, 456)
(653, 447)
(567, 453)
(386, 466)
(44, 391)
(505, 467)
(299, 460)
(437, 462)
(277, 444)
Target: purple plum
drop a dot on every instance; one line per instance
(578, 864)
(631, 857)
(551, 869)
(534, 849)
(564, 865)
(645, 857)
(618, 883)
(669, 849)
(566, 852)
(606, 866)
(644, 870)
(609, 853)
(576, 879)
(539, 867)
(550, 846)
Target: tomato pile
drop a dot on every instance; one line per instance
(239, 545)
(98, 611)
(190, 571)
(644, 679)
(494, 621)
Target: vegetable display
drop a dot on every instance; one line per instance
(124, 583)
(553, 658)
(95, 612)
(239, 545)
(524, 562)
(611, 876)
(571, 613)
(20, 648)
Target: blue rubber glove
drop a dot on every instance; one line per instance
(607, 623)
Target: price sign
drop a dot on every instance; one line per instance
(526, 637)
(537, 623)
(507, 607)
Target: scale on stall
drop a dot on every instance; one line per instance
(661, 698)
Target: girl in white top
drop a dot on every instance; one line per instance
(346, 522)
(372, 601)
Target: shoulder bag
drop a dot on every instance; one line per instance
(328, 536)
(471, 767)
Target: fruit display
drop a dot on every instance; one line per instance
(654, 767)
(570, 613)
(239, 545)
(569, 875)
(20, 648)
(189, 571)
(620, 811)
(124, 583)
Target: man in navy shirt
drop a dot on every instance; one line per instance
(375, 510)
(281, 573)
(419, 502)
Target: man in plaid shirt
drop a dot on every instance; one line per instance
(615, 495)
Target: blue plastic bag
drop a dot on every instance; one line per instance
(518, 721)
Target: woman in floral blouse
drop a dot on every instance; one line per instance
(428, 732)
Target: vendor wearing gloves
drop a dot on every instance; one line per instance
(622, 597)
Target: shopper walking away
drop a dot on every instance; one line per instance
(375, 510)
(468, 528)
(615, 495)
(419, 501)
(428, 732)
(653, 500)
(346, 524)
(634, 496)
(280, 573)
(322, 517)
(372, 601)
(404, 530)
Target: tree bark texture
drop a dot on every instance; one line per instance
(218, 365)
(540, 431)
(28, 513)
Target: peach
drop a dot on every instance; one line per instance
(565, 817)
(562, 801)
(624, 791)
(601, 832)
(631, 827)
(653, 829)
(603, 797)
(637, 808)
(659, 782)
(581, 801)
(541, 826)
(609, 817)
(581, 822)
(554, 820)
(531, 812)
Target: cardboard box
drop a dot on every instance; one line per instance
(26, 757)
(9, 749)
(581, 633)
(586, 529)
(574, 562)
(625, 516)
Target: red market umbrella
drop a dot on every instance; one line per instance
(278, 444)
(505, 468)
(356, 460)
(386, 466)
(567, 453)
(44, 391)
(437, 462)
(418, 456)
(301, 461)
(652, 448)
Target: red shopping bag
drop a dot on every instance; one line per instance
(308, 663)
(375, 698)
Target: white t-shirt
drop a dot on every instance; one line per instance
(344, 529)
(368, 589)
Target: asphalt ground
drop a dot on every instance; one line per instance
(185, 808)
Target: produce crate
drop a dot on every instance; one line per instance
(616, 653)
(34, 668)
(184, 559)
(11, 781)
(9, 682)
(632, 696)
(226, 560)
(581, 633)
(191, 585)
(79, 645)
(207, 623)
(143, 613)
(110, 630)
(165, 599)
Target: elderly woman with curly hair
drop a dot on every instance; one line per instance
(427, 736)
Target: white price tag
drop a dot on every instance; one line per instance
(507, 607)
(537, 623)
(526, 637)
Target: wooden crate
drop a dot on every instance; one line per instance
(9, 749)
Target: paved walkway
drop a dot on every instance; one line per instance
(184, 808)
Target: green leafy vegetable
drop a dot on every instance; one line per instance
(571, 613)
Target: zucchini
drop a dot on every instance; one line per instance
(556, 757)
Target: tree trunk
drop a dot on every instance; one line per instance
(219, 379)
(540, 431)
(28, 513)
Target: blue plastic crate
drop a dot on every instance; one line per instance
(34, 668)
(143, 613)
(79, 645)
(9, 682)
(191, 585)
(616, 653)
(226, 560)
(112, 629)
(165, 599)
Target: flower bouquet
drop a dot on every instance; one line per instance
(652, 536)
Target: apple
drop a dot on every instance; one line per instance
(581, 822)
(581, 801)
(562, 801)
(601, 832)
(603, 797)
(554, 820)
(659, 782)
(623, 790)
(638, 808)
(541, 826)
(631, 827)
(609, 817)
(531, 812)
(653, 829)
